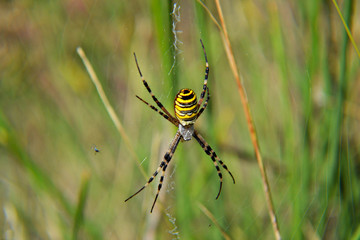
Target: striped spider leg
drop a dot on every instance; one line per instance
(163, 165)
(209, 151)
(187, 111)
(168, 155)
(206, 77)
(171, 118)
(201, 110)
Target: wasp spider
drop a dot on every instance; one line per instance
(187, 111)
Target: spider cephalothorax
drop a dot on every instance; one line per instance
(187, 110)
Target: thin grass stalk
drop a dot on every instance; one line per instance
(337, 159)
(252, 130)
(203, 29)
(213, 219)
(338, 114)
(40, 180)
(80, 208)
(108, 107)
(356, 235)
(346, 28)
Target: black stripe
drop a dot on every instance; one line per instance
(184, 105)
(147, 86)
(167, 157)
(187, 97)
(185, 112)
(203, 92)
(157, 102)
(208, 150)
(187, 119)
(200, 142)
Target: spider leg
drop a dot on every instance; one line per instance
(167, 158)
(148, 182)
(163, 165)
(206, 76)
(149, 90)
(172, 120)
(209, 151)
(204, 105)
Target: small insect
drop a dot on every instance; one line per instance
(96, 150)
(187, 111)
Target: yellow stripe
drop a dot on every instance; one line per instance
(187, 94)
(186, 108)
(185, 101)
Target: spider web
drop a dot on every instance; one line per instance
(169, 189)
(176, 44)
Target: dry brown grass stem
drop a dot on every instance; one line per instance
(346, 28)
(250, 123)
(108, 107)
(212, 218)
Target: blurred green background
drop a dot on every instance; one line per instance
(302, 79)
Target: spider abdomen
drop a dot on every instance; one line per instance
(186, 107)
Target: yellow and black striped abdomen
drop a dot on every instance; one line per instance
(186, 106)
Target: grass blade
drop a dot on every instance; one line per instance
(82, 198)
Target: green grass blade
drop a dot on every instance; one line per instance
(80, 209)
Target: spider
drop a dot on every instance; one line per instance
(187, 111)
